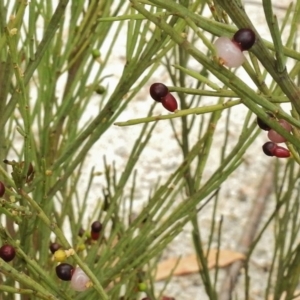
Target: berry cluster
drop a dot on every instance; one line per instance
(160, 93)
(89, 237)
(79, 280)
(230, 51)
(271, 148)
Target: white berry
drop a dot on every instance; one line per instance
(80, 281)
(228, 52)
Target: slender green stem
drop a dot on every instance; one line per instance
(181, 113)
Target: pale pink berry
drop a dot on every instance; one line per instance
(276, 137)
(287, 126)
(79, 281)
(229, 52)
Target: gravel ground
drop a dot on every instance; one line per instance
(162, 156)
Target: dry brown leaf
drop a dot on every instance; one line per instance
(188, 264)
(226, 257)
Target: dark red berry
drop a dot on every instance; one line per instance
(54, 247)
(64, 271)
(2, 188)
(281, 152)
(272, 149)
(7, 253)
(245, 38)
(158, 91)
(269, 148)
(96, 226)
(169, 103)
(95, 235)
(262, 125)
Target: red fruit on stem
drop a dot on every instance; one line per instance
(7, 253)
(245, 38)
(158, 91)
(2, 189)
(272, 149)
(169, 103)
(281, 152)
(64, 271)
(95, 235)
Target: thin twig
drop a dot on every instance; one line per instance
(283, 7)
(248, 233)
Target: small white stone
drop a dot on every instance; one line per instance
(229, 53)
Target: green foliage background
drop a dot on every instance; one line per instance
(45, 43)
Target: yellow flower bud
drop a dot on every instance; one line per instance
(60, 255)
